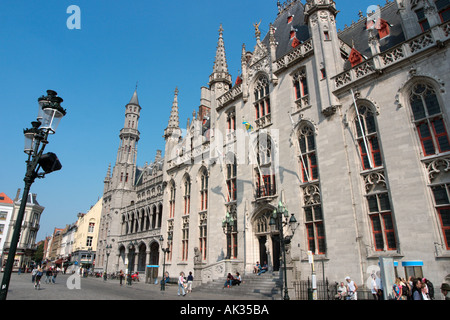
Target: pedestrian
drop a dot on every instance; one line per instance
(33, 274)
(351, 289)
(445, 289)
(48, 275)
(181, 284)
(374, 289)
(121, 276)
(417, 289)
(425, 294)
(406, 290)
(54, 274)
(397, 289)
(341, 292)
(430, 288)
(190, 280)
(37, 283)
(380, 292)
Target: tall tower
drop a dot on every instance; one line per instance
(119, 184)
(172, 133)
(220, 79)
(320, 15)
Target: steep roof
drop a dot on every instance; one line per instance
(358, 35)
(284, 26)
(5, 199)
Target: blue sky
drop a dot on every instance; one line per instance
(160, 44)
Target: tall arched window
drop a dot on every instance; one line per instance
(172, 200)
(367, 137)
(187, 195)
(231, 177)
(265, 171)
(203, 190)
(262, 99)
(428, 119)
(308, 159)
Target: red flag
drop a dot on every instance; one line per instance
(238, 80)
(295, 42)
(383, 27)
(355, 57)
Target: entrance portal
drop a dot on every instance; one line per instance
(269, 243)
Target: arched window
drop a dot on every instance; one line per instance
(172, 200)
(367, 137)
(308, 159)
(187, 195)
(265, 171)
(231, 178)
(203, 190)
(428, 119)
(262, 100)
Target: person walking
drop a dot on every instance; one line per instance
(190, 280)
(33, 274)
(37, 283)
(417, 290)
(54, 274)
(181, 284)
(48, 275)
(121, 276)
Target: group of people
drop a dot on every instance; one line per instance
(38, 272)
(232, 281)
(413, 289)
(185, 283)
(260, 269)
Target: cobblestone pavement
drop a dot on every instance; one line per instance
(72, 287)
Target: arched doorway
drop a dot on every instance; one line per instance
(141, 258)
(154, 259)
(268, 242)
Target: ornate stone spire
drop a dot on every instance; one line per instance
(220, 69)
(174, 120)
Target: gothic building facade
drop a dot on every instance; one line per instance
(346, 130)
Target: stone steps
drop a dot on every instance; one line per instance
(265, 286)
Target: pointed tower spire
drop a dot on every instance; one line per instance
(220, 70)
(174, 120)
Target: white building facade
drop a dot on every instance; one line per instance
(347, 129)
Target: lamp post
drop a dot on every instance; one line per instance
(166, 251)
(49, 115)
(227, 225)
(108, 251)
(278, 220)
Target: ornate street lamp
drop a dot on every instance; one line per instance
(278, 220)
(228, 223)
(108, 252)
(166, 251)
(49, 115)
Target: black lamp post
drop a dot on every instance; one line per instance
(227, 225)
(278, 221)
(49, 115)
(108, 251)
(166, 251)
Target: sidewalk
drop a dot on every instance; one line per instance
(91, 288)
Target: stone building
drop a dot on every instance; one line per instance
(347, 129)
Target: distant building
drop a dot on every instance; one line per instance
(6, 209)
(30, 226)
(86, 236)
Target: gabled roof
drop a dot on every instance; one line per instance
(5, 199)
(284, 27)
(358, 35)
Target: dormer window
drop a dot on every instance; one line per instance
(290, 19)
